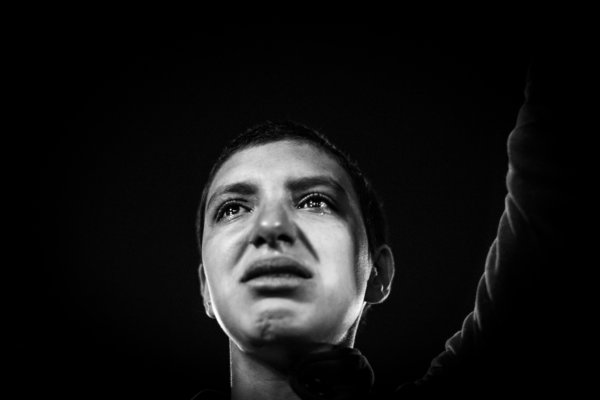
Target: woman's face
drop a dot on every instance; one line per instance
(284, 251)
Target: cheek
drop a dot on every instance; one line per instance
(218, 257)
(342, 271)
(343, 259)
(223, 245)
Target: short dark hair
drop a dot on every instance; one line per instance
(269, 132)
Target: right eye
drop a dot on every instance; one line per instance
(230, 210)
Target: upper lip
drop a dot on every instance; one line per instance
(276, 265)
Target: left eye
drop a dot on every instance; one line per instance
(230, 211)
(317, 202)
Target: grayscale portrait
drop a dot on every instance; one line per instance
(296, 211)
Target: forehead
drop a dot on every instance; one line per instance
(281, 161)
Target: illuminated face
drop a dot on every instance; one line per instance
(285, 253)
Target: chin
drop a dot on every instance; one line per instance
(283, 323)
(281, 327)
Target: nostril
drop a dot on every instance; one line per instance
(257, 241)
(271, 240)
(272, 234)
(273, 224)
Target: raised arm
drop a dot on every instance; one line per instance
(514, 339)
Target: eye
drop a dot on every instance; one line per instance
(230, 210)
(316, 202)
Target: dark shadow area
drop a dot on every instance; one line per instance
(136, 116)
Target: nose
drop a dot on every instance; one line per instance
(273, 226)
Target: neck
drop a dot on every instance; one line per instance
(266, 376)
(254, 378)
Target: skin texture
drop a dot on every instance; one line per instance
(277, 212)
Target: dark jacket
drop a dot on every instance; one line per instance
(522, 335)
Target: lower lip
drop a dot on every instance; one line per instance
(276, 282)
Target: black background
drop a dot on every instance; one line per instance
(136, 113)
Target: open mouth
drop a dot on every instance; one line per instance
(278, 267)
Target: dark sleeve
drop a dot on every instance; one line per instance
(519, 337)
(209, 394)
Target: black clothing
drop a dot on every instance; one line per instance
(517, 338)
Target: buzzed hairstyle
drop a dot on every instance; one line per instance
(269, 132)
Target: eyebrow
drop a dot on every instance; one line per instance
(239, 188)
(293, 185)
(308, 182)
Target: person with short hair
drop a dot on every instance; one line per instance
(294, 249)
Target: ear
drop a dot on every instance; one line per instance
(205, 292)
(380, 281)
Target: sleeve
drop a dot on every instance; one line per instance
(520, 336)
